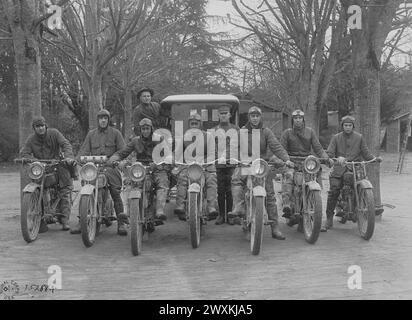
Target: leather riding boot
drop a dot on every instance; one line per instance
(211, 195)
(276, 233)
(330, 210)
(121, 224)
(238, 205)
(43, 227)
(286, 203)
(65, 224)
(238, 201)
(328, 224)
(76, 229)
(181, 194)
(161, 195)
(65, 207)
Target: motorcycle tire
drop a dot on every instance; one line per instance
(312, 219)
(256, 227)
(88, 223)
(366, 213)
(30, 220)
(194, 219)
(136, 226)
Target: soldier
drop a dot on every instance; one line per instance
(225, 171)
(146, 109)
(267, 141)
(195, 122)
(45, 144)
(347, 145)
(105, 141)
(143, 145)
(298, 141)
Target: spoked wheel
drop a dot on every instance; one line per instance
(88, 220)
(256, 225)
(312, 218)
(366, 213)
(136, 226)
(30, 217)
(194, 219)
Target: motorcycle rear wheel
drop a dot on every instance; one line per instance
(312, 219)
(194, 219)
(30, 217)
(136, 226)
(366, 213)
(256, 225)
(88, 223)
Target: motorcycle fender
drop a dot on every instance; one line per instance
(364, 184)
(31, 187)
(87, 189)
(259, 191)
(313, 185)
(135, 194)
(194, 187)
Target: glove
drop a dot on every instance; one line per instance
(153, 166)
(27, 160)
(290, 164)
(341, 160)
(378, 159)
(331, 162)
(120, 165)
(70, 162)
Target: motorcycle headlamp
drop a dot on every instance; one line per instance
(36, 170)
(137, 172)
(88, 172)
(312, 164)
(260, 168)
(194, 172)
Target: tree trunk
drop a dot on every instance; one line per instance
(28, 68)
(95, 99)
(127, 124)
(367, 114)
(367, 46)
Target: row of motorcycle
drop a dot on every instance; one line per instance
(40, 199)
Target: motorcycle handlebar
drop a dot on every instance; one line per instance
(46, 161)
(358, 162)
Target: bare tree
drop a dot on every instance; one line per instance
(367, 47)
(25, 28)
(295, 54)
(95, 32)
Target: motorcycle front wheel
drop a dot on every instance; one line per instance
(88, 221)
(136, 226)
(312, 218)
(256, 225)
(194, 219)
(30, 217)
(366, 213)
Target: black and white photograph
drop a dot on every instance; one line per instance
(202, 156)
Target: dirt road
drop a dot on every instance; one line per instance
(222, 268)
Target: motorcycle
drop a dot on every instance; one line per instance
(95, 205)
(356, 201)
(140, 201)
(40, 198)
(255, 201)
(307, 196)
(196, 214)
